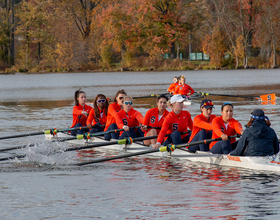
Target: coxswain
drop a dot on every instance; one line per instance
(258, 139)
(154, 118)
(129, 117)
(202, 126)
(175, 122)
(98, 115)
(224, 126)
(183, 88)
(80, 111)
(173, 85)
(113, 109)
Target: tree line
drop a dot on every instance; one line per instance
(65, 35)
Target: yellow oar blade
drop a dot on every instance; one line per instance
(268, 97)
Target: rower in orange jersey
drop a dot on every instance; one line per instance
(183, 88)
(173, 85)
(202, 126)
(80, 111)
(129, 117)
(154, 118)
(175, 122)
(98, 115)
(224, 126)
(113, 109)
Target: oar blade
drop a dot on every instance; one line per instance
(268, 97)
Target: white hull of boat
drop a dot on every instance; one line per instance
(262, 163)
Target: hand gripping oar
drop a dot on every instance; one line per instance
(168, 148)
(49, 131)
(268, 97)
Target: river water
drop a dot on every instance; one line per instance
(45, 185)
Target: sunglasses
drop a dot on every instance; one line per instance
(121, 97)
(101, 101)
(128, 102)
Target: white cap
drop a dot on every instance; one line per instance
(177, 98)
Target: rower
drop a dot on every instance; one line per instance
(154, 118)
(175, 122)
(183, 88)
(258, 138)
(173, 85)
(129, 117)
(224, 126)
(98, 115)
(113, 109)
(202, 128)
(80, 111)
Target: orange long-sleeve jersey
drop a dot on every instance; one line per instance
(78, 117)
(172, 87)
(184, 90)
(113, 109)
(131, 119)
(201, 122)
(173, 122)
(92, 119)
(219, 129)
(151, 119)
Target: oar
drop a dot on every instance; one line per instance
(88, 135)
(161, 149)
(149, 96)
(122, 141)
(267, 97)
(49, 131)
(82, 136)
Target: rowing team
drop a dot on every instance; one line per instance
(179, 86)
(258, 139)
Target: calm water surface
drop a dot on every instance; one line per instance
(45, 185)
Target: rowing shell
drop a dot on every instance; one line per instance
(261, 163)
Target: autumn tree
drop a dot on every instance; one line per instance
(236, 17)
(154, 27)
(268, 33)
(33, 29)
(215, 45)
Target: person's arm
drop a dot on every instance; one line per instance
(77, 111)
(241, 145)
(190, 122)
(139, 117)
(119, 121)
(238, 127)
(202, 124)
(90, 118)
(191, 91)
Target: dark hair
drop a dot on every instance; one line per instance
(162, 96)
(76, 96)
(225, 104)
(96, 110)
(252, 119)
(119, 92)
